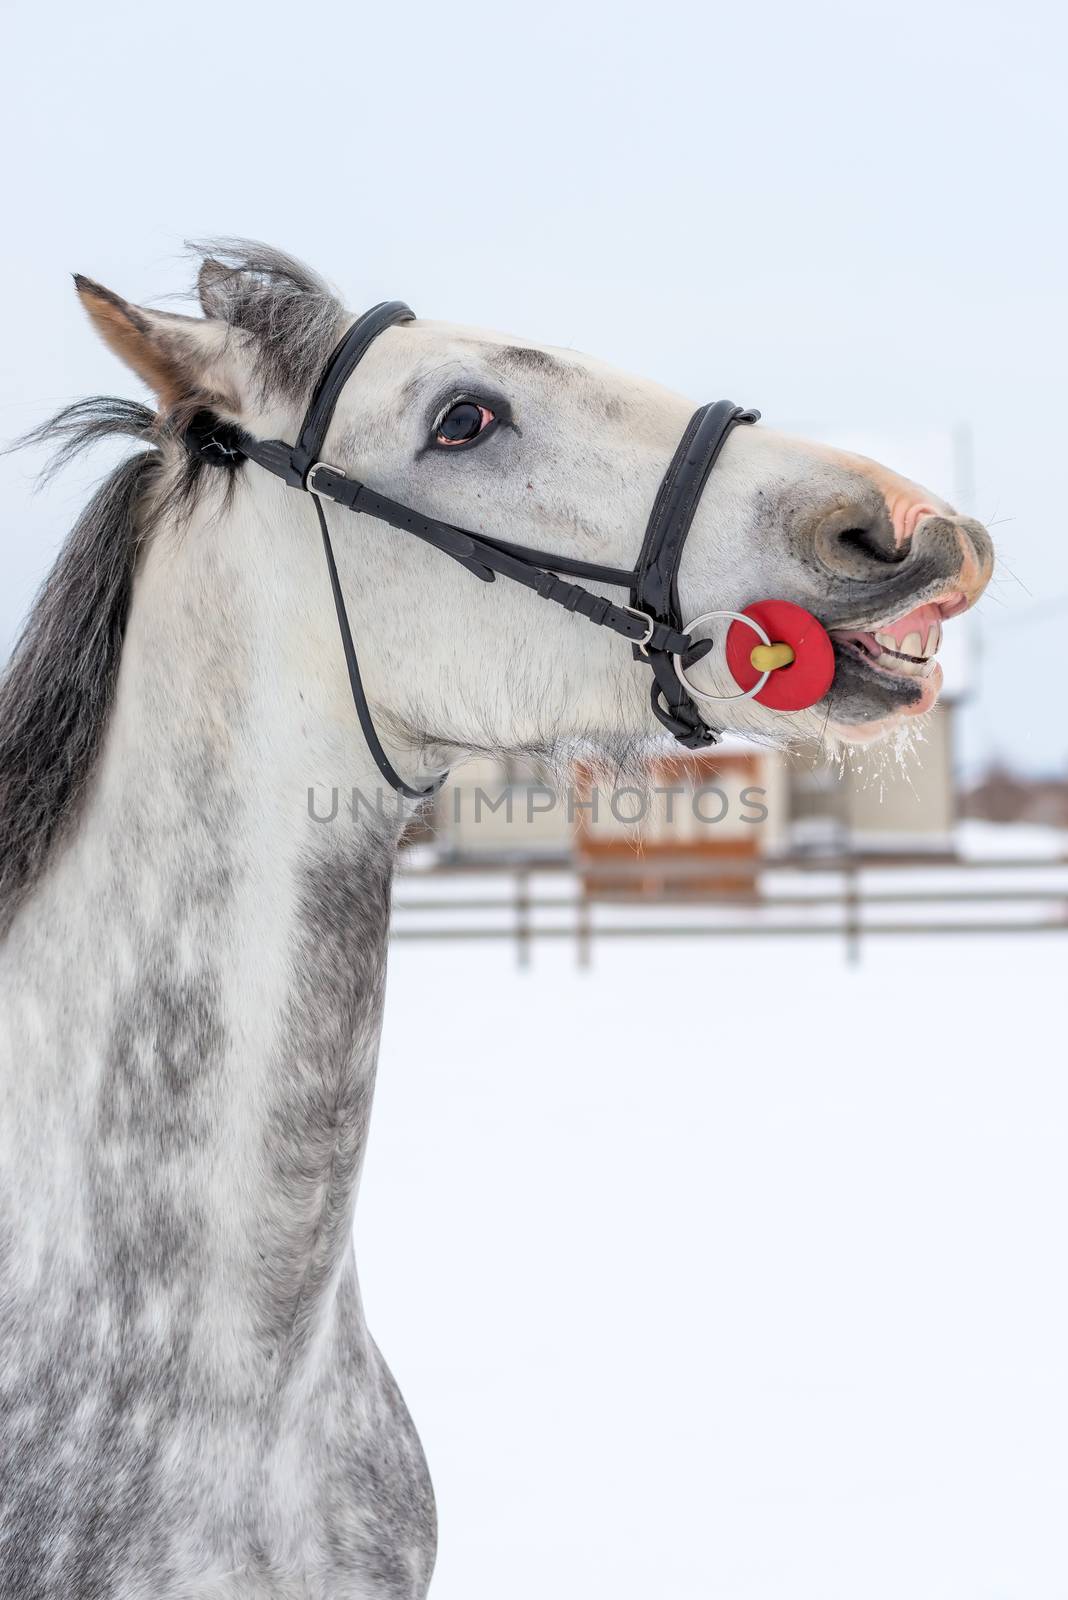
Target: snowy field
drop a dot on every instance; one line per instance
(730, 1272)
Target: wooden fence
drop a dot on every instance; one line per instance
(852, 898)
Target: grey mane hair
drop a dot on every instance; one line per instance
(84, 423)
(57, 691)
(58, 688)
(292, 314)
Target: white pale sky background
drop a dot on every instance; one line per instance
(850, 215)
(791, 1324)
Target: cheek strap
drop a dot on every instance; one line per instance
(656, 573)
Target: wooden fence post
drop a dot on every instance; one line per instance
(852, 910)
(522, 916)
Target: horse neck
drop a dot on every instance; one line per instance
(193, 993)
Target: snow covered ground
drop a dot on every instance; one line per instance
(730, 1271)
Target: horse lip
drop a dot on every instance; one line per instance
(950, 602)
(953, 604)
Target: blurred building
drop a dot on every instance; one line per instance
(1005, 796)
(737, 802)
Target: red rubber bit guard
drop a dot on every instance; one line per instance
(809, 675)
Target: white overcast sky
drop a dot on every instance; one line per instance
(849, 215)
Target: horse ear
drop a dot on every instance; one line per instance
(251, 286)
(173, 355)
(218, 287)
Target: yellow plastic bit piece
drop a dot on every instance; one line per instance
(766, 657)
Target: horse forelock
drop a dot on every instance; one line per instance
(291, 313)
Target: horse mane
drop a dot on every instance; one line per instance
(57, 691)
(58, 688)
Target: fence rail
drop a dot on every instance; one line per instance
(522, 901)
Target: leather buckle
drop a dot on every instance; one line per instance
(319, 466)
(650, 628)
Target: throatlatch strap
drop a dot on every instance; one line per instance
(359, 698)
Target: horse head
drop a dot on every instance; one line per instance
(545, 448)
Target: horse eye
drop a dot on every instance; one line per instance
(462, 422)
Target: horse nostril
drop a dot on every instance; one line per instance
(851, 544)
(869, 543)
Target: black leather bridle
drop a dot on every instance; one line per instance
(652, 621)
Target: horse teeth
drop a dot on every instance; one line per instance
(934, 639)
(887, 641)
(911, 645)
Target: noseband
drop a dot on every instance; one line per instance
(652, 621)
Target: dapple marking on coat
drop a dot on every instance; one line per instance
(192, 969)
